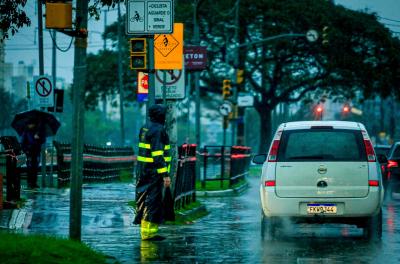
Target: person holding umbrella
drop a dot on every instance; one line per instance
(34, 126)
(32, 140)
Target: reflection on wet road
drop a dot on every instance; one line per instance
(229, 234)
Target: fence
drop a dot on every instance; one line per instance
(100, 164)
(225, 163)
(185, 183)
(11, 161)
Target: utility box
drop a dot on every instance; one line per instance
(59, 15)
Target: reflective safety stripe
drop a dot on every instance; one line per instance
(148, 229)
(162, 170)
(145, 159)
(167, 159)
(167, 147)
(169, 167)
(157, 153)
(144, 145)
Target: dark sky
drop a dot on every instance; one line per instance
(23, 47)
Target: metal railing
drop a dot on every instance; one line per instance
(225, 163)
(100, 163)
(185, 182)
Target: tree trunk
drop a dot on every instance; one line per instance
(265, 129)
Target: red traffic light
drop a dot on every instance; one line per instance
(319, 109)
(346, 109)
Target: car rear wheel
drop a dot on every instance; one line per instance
(373, 227)
(268, 227)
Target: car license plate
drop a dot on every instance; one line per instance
(321, 208)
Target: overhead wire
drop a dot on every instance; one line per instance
(389, 19)
(55, 43)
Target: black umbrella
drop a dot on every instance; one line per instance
(43, 120)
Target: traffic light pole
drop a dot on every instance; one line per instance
(152, 79)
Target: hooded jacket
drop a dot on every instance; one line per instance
(153, 164)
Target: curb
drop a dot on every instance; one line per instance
(228, 192)
(193, 211)
(16, 218)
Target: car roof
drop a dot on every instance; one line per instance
(309, 124)
(382, 146)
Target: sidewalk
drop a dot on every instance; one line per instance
(106, 217)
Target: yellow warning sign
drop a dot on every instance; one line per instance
(168, 49)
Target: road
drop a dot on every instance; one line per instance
(229, 234)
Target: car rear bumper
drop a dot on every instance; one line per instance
(273, 205)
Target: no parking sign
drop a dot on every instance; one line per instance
(43, 91)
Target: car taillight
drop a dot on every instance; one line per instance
(392, 164)
(273, 153)
(369, 150)
(373, 183)
(269, 183)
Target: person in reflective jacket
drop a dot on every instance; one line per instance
(152, 173)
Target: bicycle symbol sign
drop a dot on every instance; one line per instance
(43, 87)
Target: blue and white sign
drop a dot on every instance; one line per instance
(43, 91)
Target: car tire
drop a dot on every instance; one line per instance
(373, 227)
(268, 227)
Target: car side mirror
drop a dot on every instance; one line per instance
(260, 158)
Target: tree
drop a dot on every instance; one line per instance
(12, 17)
(360, 55)
(8, 108)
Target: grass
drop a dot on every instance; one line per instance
(126, 176)
(216, 185)
(18, 248)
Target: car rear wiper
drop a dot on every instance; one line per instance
(307, 157)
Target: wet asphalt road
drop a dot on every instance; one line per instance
(229, 234)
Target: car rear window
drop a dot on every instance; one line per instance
(321, 145)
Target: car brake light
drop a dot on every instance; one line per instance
(392, 164)
(369, 150)
(374, 183)
(269, 183)
(273, 153)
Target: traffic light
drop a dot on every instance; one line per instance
(346, 109)
(239, 76)
(318, 111)
(226, 89)
(138, 54)
(325, 35)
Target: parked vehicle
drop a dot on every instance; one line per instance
(321, 171)
(382, 152)
(393, 170)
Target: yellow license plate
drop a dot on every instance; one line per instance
(321, 208)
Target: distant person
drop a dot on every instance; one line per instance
(32, 140)
(152, 174)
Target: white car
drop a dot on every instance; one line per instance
(321, 171)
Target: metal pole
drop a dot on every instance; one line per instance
(120, 85)
(78, 123)
(152, 80)
(164, 89)
(41, 72)
(105, 25)
(54, 74)
(197, 89)
(236, 65)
